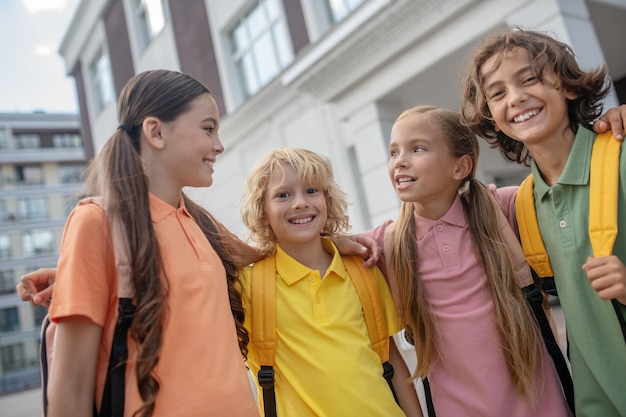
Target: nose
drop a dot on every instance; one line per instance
(399, 161)
(300, 200)
(218, 146)
(516, 96)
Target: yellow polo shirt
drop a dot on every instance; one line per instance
(325, 365)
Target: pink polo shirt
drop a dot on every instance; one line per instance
(471, 379)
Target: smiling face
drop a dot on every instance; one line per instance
(295, 209)
(421, 166)
(192, 145)
(523, 107)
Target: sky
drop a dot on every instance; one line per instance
(32, 73)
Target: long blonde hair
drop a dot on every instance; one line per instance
(515, 326)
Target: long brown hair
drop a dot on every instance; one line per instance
(117, 174)
(547, 55)
(515, 325)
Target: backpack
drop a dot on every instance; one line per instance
(113, 397)
(263, 313)
(603, 190)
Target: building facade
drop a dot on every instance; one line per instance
(42, 159)
(328, 75)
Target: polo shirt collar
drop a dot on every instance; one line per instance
(159, 209)
(455, 216)
(292, 271)
(576, 171)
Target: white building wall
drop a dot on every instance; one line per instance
(342, 93)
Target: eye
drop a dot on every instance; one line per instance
(393, 153)
(494, 95)
(419, 149)
(283, 194)
(311, 190)
(531, 79)
(210, 129)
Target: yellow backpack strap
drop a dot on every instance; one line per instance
(365, 283)
(603, 188)
(530, 236)
(263, 332)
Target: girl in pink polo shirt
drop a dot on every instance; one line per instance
(455, 280)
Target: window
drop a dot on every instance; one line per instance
(31, 208)
(5, 246)
(13, 357)
(67, 140)
(339, 9)
(35, 242)
(7, 282)
(9, 319)
(261, 46)
(150, 20)
(71, 173)
(101, 80)
(70, 204)
(27, 141)
(29, 174)
(39, 312)
(4, 143)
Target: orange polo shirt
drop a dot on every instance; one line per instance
(201, 370)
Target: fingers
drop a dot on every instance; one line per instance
(614, 119)
(36, 287)
(43, 297)
(23, 291)
(607, 276)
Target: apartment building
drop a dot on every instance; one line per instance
(328, 75)
(42, 159)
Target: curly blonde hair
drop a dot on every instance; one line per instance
(310, 167)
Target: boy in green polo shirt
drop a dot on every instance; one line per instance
(526, 95)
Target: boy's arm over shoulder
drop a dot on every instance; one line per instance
(614, 119)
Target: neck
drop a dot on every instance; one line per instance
(552, 157)
(312, 255)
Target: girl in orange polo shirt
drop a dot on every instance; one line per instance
(187, 337)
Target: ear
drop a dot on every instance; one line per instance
(152, 129)
(463, 167)
(570, 95)
(495, 126)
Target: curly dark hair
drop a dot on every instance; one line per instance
(547, 55)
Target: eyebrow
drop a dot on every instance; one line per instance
(210, 119)
(515, 74)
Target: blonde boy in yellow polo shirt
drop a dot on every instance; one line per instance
(324, 364)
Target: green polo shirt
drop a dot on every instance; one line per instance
(596, 344)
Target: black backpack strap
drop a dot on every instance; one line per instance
(43, 360)
(534, 297)
(620, 317)
(388, 373)
(430, 407)
(266, 381)
(114, 388)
